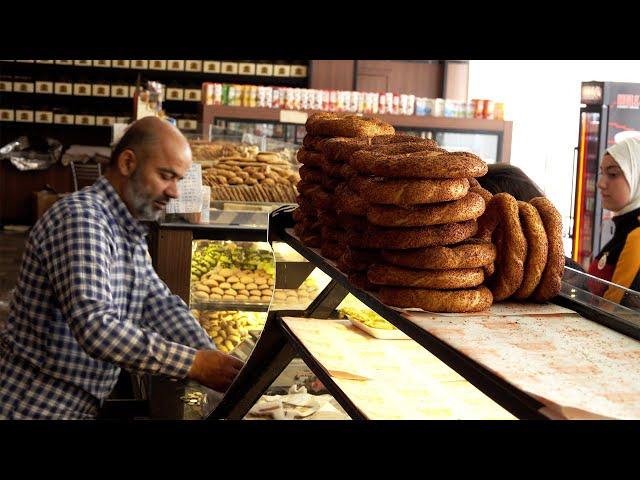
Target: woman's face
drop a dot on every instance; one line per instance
(613, 185)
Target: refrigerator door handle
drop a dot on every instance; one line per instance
(572, 208)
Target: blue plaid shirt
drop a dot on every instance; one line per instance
(88, 303)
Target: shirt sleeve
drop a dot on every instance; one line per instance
(170, 316)
(77, 255)
(627, 268)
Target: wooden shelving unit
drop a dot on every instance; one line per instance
(76, 101)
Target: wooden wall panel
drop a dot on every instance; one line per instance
(331, 74)
(422, 79)
(173, 260)
(373, 83)
(418, 78)
(456, 85)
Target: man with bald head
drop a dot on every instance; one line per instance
(147, 186)
(88, 302)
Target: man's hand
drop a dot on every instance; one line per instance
(214, 369)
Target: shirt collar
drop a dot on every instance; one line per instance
(116, 206)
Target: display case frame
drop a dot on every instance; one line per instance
(502, 128)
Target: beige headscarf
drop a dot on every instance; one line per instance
(627, 154)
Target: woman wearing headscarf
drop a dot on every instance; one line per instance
(619, 184)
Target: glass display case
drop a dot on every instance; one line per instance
(265, 138)
(233, 285)
(310, 328)
(330, 326)
(247, 168)
(269, 131)
(490, 139)
(572, 358)
(230, 277)
(237, 273)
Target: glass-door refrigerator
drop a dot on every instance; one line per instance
(610, 112)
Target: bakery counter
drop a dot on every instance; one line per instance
(568, 359)
(386, 379)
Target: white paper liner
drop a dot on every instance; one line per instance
(576, 367)
(396, 380)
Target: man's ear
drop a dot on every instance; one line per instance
(127, 163)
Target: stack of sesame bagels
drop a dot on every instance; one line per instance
(528, 239)
(407, 219)
(320, 223)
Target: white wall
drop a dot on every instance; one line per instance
(542, 98)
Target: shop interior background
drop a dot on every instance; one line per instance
(542, 98)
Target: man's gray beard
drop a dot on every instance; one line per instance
(141, 202)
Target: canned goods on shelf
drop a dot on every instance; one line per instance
(438, 107)
(449, 108)
(470, 109)
(479, 108)
(421, 106)
(488, 109)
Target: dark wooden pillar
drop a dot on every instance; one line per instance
(173, 259)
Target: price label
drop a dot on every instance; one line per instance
(175, 65)
(120, 91)
(298, 71)
(44, 117)
(264, 70)
(189, 192)
(247, 68)
(24, 116)
(212, 67)
(193, 94)
(194, 65)
(175, 94)
(157, 64)
(230, 68)
(105, 121)
(140, 64)
(281, 70)
(44, 87)
(82, 89)
(6, 115)
(187, 124)
(293, 116)
(63, 119)
(85, 120)
(100, 90)
(63, 88)
(23, 87)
